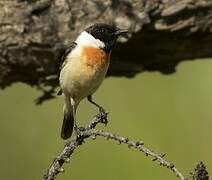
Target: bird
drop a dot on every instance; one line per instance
(83, 68)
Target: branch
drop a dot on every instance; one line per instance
(139, 145)
(200, 172)
(162, 34)
(56, 166)
(90, 131)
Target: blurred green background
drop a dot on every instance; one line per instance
(171, 114)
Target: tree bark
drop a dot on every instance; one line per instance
(35, 33)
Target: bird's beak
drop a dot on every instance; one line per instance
(121, 32)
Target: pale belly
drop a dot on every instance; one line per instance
(78, 80)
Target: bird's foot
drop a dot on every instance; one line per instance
(103, 116)
(77, 131)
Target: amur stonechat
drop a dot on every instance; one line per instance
(84, 66)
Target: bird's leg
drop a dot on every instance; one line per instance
(76, 129)
(102, 112)
(101, 109)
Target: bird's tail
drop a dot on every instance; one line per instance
(68, 120)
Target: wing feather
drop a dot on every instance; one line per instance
(67, 52)
(64, 60)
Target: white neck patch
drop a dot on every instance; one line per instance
(88, 40)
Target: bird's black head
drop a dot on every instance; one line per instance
(105, 33)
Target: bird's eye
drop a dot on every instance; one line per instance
(102, 31)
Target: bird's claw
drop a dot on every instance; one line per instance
(103, 116)
(77, 131)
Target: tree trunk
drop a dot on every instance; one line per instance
(35, 33)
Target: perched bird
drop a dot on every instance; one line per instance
(85, 64)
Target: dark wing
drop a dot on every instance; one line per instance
(66, 53)
(64, 60)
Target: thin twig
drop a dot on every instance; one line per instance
(89, 131)
(139, 145)
(63, 157)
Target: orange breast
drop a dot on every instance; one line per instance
(95, 57)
